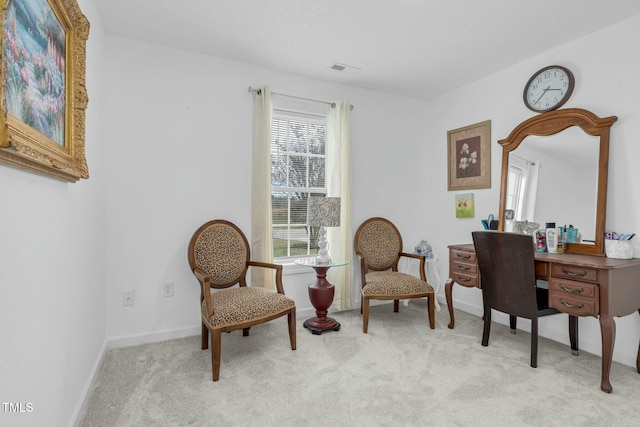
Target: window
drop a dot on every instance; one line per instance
(298, 170)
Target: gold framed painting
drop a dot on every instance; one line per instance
(44, 96)
(469, 157)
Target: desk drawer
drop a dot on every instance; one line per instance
(575, 298)
(464, 267)
(572, 288)
(468, 280)
(464, 256)
(575, 273)
(574, 305)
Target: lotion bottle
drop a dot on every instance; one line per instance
(552, 238)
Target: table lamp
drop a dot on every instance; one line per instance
(323, 212)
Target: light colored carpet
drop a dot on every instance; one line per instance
(399, 374)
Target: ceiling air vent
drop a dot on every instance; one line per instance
(344, 68)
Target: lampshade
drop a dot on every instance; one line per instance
(324, 211)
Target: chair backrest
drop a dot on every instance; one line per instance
(221, 250)
(379, 242)
(507, 270)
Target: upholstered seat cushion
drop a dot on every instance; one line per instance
(386, 283)
(242, 304)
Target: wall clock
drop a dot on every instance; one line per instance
(548, 88)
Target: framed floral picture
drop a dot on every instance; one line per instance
(43, 90)
(469, 157)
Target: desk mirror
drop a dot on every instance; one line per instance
(554, 169)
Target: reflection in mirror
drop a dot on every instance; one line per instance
(522, 186)
(554, 179)
(566, 168)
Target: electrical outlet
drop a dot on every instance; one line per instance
(167, 289)
(128, 298)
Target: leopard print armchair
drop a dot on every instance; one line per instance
(378, 245)
(219, 257)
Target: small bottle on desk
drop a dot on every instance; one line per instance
(552, 238)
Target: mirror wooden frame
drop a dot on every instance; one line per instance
(25, 147)
(551, 123)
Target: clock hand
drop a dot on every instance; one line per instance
(545, 91)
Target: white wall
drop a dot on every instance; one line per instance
(52, 274)
(607, 84)
(568, 194)
(168, 146)
(180, 143)
(181, 127)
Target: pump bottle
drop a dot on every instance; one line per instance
(552, 238)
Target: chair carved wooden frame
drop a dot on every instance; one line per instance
(378, 245)
(219, 257)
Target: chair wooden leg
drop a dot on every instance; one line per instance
(292, 327)
(638, 356)
(245, 332)
(215, 353)
(432, 309)
(487, 326)
(534, 343)
(513, 322)
(396, 305)
(573, 334)
(205, 337)
(365, 315)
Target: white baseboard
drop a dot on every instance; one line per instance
(81, 406)
(466, 307)
(147, 338)
(171, 334)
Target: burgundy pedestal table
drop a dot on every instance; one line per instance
(321, 295)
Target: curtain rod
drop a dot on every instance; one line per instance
(332, 104)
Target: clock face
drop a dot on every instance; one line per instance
(548, 89)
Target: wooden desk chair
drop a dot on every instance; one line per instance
(507, 267)
(219, 257)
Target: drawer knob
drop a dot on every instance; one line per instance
(463, 256)
(574, 273)
(571, 291)
(566, 304)
(463, 267)
(464, 279)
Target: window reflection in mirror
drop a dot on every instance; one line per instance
(522, 188)
(554, 179)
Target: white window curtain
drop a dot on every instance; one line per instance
(531, 190)
(261, 241)
(339, 185)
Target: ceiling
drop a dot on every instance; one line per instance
(415, 48)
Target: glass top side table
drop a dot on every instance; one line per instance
(321, 295)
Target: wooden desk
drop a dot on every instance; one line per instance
(579, 285)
